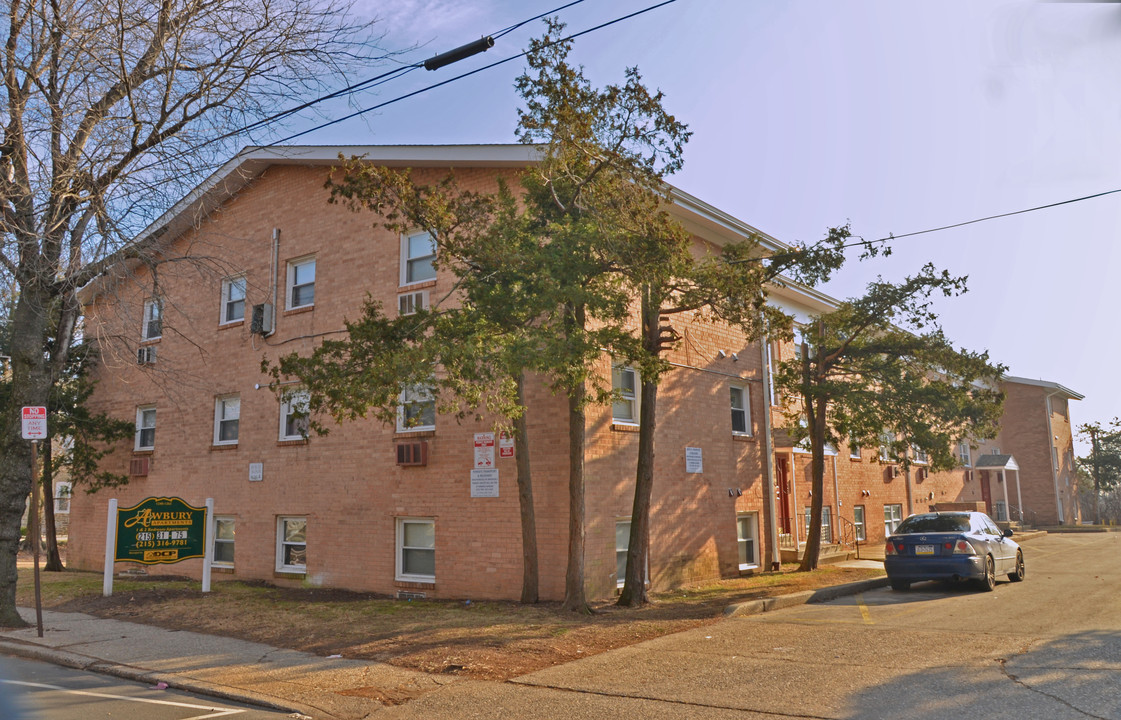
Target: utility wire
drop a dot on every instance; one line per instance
(464, 75)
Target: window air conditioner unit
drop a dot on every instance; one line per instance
(146, 355)
(410, 303)
(891, 471)
(261, 323)
(138, 466)
(412, 454)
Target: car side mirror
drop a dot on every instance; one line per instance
(1008, 532)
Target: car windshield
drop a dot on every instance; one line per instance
(933, 524)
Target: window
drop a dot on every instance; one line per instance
(858, 526)
(62, 493)
(1055, 457)
(747, 528)
(233, 299)
(294, 416)
(153, 320)
(741, 411)
(887, 439)
(145, 427)
(995, 451)
(854, 449)
(622, 545)
(893, 515)
(417, 410)
(1000, 510)
(301, 283)
(826, 524)
(291, 544)
(417, 253)
(223, 541)
(963, 454)
(920, 455)
(774, 356)
(416, 549)
(624, 382)
(227, 412)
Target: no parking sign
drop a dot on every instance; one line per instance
(34, 423)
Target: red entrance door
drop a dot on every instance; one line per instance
(782, 493)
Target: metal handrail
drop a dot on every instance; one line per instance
(847, 534)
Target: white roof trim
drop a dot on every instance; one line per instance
(1055, 387)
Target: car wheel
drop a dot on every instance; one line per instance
(900, 585)
(988, 582)
(1018, 574)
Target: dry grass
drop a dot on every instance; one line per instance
(484, 639)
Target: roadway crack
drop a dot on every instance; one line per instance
(683, 703)
(1016, 679)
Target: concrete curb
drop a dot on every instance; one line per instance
(754, 607)
(88, 663)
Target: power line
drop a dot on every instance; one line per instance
(464, 75)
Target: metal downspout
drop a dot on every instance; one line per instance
(769, 521)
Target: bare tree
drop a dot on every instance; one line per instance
(110, 109)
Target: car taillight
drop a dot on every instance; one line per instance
(962, 547)
(893, 549)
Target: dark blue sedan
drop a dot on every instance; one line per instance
(951, 546)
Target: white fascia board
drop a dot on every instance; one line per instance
(1054, 387)
(715, 225)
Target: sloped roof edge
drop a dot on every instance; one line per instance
(1055, 387)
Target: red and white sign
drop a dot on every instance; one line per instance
(505, 445)
(484, 450)
(34, 423)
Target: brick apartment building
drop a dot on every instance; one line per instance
(394, 509)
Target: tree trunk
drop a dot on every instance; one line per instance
(574, 596)
(29, 387)
(54, 558)
(817, 487)
(525, 502)
(638, 545)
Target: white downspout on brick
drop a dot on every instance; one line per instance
(770, 521)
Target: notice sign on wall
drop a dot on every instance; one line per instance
(693, 460)
(484, 450)
(484, 483)
(160, 530)
(505, 445)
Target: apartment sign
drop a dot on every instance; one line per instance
(160, 530)
(484, 450)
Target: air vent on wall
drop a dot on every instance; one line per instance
(146, 355)
(138, 466)
(412, 453)
(409, 303)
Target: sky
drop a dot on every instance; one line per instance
(893, 116)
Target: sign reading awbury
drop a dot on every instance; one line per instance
(160, 530)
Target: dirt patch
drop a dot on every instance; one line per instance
(485, 640)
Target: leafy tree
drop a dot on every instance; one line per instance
(879, 366)
(109, 110)
(1103, 464)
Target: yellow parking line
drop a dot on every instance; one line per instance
(864, 609)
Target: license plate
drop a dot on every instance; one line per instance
(924, 549)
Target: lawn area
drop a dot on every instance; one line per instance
(481, 639)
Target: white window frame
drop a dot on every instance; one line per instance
(1000, 511)
(745, 410)
(153, 313)
(921, 456)
(219, 519)
(220, 417)
(294, 401)
(138, 443)
(63, 491)
(617, 373)
(753, 553)
(854, 450)
(282, 543)
(401, 548)
(826, 522)
(892, 518)
(415, 395)
(228, 299)
(886, 440)
(407, 259)
(290, 285)
(965, 454)
(622, 547)
(859, 523)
